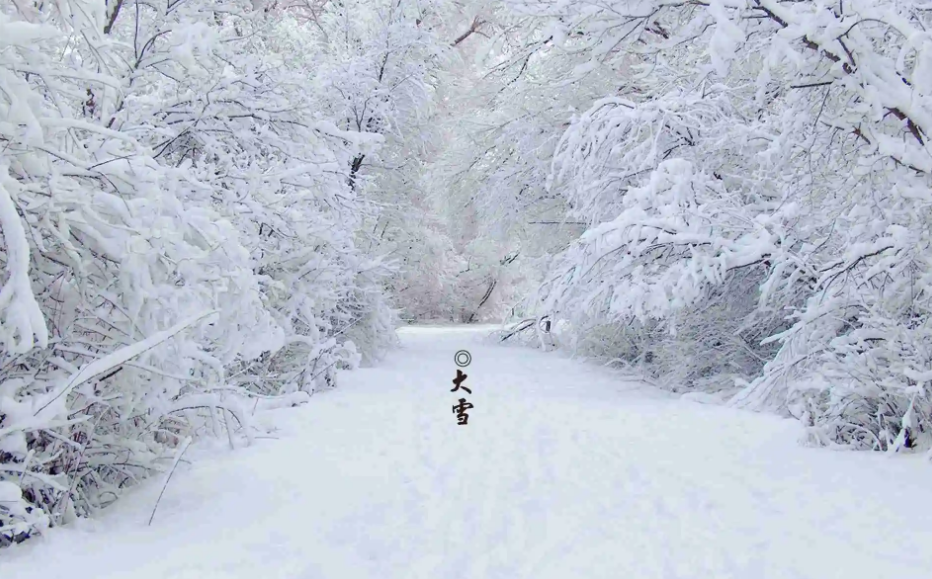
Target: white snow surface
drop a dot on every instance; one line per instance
(565, 471)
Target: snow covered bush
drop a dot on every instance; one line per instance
(756, 192)
(179, 239)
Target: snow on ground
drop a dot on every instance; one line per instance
(564, 471)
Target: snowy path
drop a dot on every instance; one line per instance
(563, 472)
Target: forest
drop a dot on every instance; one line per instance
(209, 207)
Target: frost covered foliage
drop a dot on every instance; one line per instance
(500, 129)
(756, 190)
(179, 240)
(382, 73)
(707, 346)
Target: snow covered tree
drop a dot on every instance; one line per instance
(765, 147)
(179, 240)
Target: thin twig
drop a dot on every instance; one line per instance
(184, 447)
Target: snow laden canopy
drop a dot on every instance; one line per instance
(756, 193)
(180, 236)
